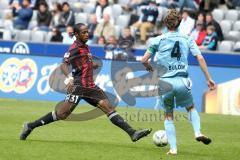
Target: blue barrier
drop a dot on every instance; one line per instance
(26, 77)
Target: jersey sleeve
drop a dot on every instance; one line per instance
(193, 47)
(153, 46)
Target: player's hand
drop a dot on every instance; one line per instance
(149, 68)
(95, 66)
(211, 84)
(69, 83)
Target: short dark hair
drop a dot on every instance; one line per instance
(65, 3)
(209, 14)
(77, 27)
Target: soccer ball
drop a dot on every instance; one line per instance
(160, 138)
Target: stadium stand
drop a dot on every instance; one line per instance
(229, 20)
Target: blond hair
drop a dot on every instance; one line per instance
(173, 19)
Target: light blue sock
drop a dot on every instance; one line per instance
(171, 133)
(195, 120)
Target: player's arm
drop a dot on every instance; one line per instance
(65, 69)
(145, 61)
(203, 65)
(95, 65)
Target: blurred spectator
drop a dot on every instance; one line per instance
(201, 18)
(210, 41)
(208, 5)
(236, 4)
(111, 48)
(126, 43)
(91, 27)
(15, 1)
(187, 23)
(68, 35)
(101, 40)
(132, 5)
(67, 17)
(104, 28)
(126, 36)
(199, 33)
(56, 35)
(211, 21)
(36, 3)
(44, 17)
(146, 21)
(103, 7)
(8, 21)
(56, 14)
(23, 14)
(190, 4)
(168, 3)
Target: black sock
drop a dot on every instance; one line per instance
(121, 123)
(48, 118)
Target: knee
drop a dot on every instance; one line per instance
(106, 106)
(169, 115)
(62, 115)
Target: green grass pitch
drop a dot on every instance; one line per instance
(98, 139)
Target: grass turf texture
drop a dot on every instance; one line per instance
(99, 139)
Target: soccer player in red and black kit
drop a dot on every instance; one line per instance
(81, 86)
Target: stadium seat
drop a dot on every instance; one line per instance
(226, 46)
(6, 34)
(233, 36)
(232, 15)
(24, 35)
(38, 36)
(88, 8)
(3, 4)
(236, 26)
(123, 2)
(123, 20)
(1, 14)
(48, 37)
(32, 24)
(4, 12)
(76, 6)
(218, 14)
(1, 23)
(118, 30)
(226, 26)
(81, 18)
(117, 10)
(237, 46)
(15, 34)
(34, 16)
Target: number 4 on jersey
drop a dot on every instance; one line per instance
(176, 51)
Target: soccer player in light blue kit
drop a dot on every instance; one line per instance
(171, 50)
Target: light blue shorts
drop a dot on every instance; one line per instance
(179, 96)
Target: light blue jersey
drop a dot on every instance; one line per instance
(171, 50)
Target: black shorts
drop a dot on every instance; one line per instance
(90, 95)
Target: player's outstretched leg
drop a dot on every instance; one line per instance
(117, 120)
(195, 120)
(171, 133)
(28, 127)
(64, 111)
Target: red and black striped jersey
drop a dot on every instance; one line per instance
(80, 58)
